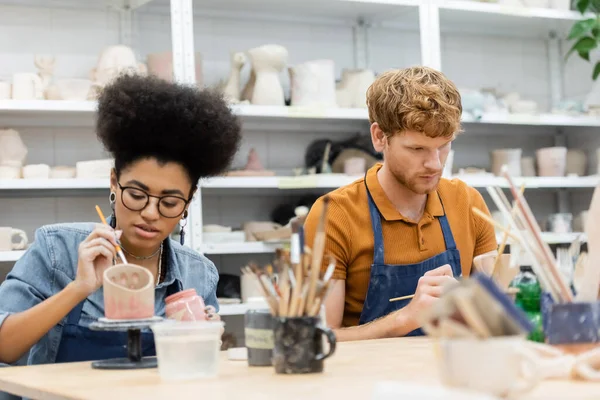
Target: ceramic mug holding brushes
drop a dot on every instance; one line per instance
(299, 345)
(12, 239)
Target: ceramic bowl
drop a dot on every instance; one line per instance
(128, 292)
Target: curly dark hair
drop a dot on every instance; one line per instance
(140, 117)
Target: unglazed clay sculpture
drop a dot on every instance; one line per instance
(71, 89)
(62, 172)
(94, 169)
(253, 167)
(552, 161)
(337, 166)
(12, 148)
(113, 61)
(128, 292)
(161, 65)
(267, 63)
(36, 171)
(10, 172)
(313, 84)
(232, 90)
(351, 92)
(248, 90)
(45, 66)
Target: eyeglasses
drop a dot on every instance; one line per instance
(136, 199)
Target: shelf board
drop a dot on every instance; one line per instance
(488, 18)
(46, 110)
(330, 181)
(53, 184)
(42, 106)
(11, 256)
(240, 248)
(534, 182)
(337, 180)
(553, 238)
(233, 309)
(347, 11)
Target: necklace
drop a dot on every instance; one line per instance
(142, 257)
(159, 265)
(160, 250)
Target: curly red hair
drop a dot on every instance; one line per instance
(418, 99)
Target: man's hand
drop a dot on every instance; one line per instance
(429, 289)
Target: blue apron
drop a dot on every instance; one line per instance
(79, 343)
(390, 281)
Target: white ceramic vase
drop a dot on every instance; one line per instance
(313, 84)
(267, 63)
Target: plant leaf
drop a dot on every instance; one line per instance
(596, 71)
(581, 28)
(583, 45)
(582, 5)
(595, 6)
(584, 54)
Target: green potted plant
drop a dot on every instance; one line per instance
(586, 33)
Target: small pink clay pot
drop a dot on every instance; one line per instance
(128, 292)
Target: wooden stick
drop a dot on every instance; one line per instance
(495, 223)
(525, 242)
(317, 254)
(410, 296)
(530, 220)
(505, 236)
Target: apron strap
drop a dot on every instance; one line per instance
(378, 251)
(75, 314)
(446, 231)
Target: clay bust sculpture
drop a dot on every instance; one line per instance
(113, 61)
(267, 63)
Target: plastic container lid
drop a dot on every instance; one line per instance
(257, 303)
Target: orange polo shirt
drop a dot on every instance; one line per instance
(350, 235)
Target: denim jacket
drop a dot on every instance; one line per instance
(51, 263)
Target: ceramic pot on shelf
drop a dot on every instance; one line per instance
(351, 91)
(552, 161)
(509, 157)
(161, 65)
(313, 84)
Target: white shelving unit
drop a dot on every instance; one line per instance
(476, 44)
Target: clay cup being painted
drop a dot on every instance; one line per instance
(128, 292)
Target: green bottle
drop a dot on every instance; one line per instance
(528, 299)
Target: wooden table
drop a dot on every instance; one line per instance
(351, 373)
